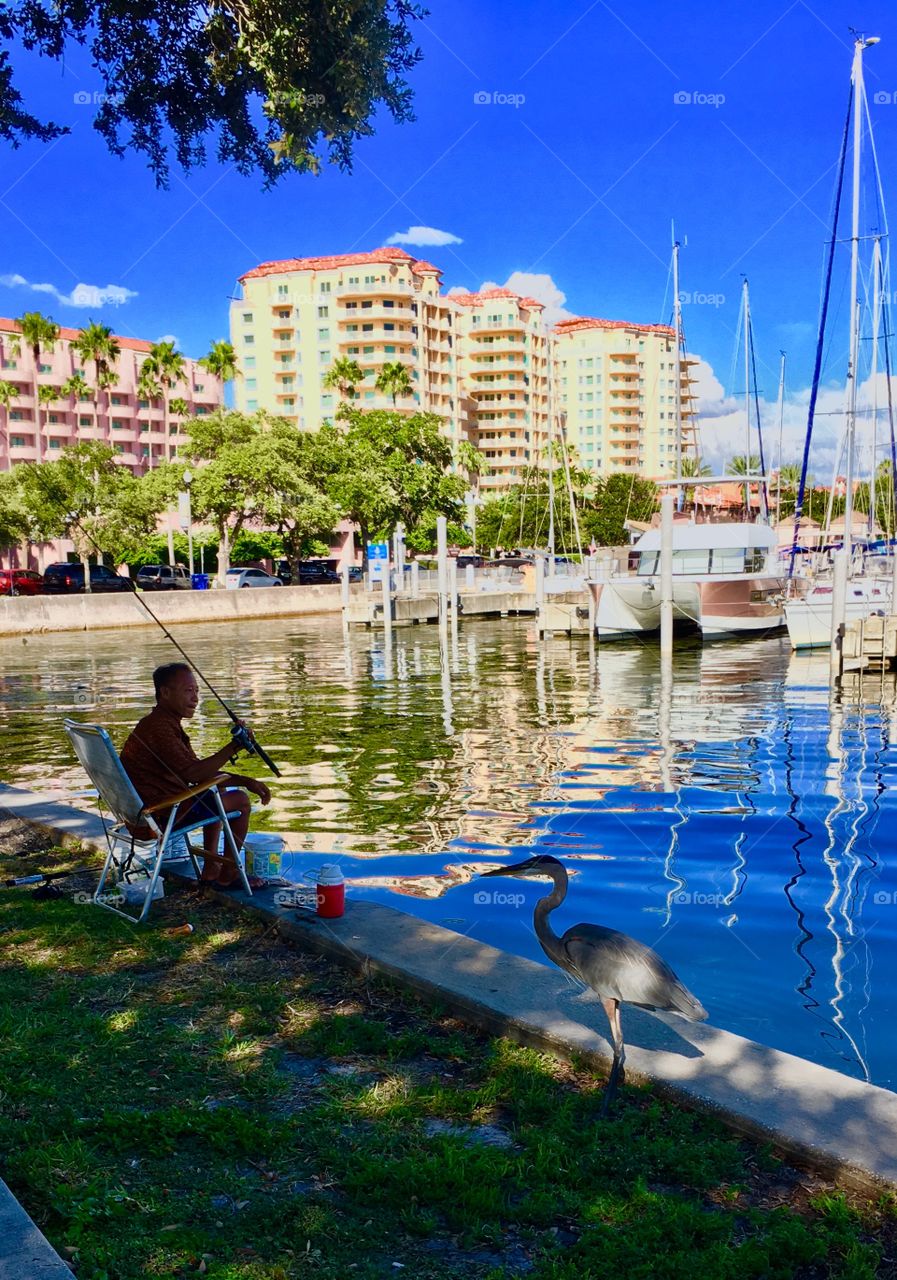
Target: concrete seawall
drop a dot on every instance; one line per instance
(25, 615)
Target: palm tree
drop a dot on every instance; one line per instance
(38, 332)
(149, 389)
(221, 361)
(789, 475)
(165, 365)
(394, 380)
(344, 374)
(8, 393)
(45, 395)
(180, 408)
(98, 343)
(742, 466)
(692, 467)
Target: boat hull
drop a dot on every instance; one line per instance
(718, 607)
(809, 620)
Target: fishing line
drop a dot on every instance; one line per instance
(242, 736)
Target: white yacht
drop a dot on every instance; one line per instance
(809, 619)
(726, 581)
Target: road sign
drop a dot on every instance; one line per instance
(378, 559)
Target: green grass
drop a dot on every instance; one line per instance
(220, 1105)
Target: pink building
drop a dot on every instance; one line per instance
(33, 431)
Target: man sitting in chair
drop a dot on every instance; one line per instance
(159, 759)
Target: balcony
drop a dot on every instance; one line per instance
(361, 314)
(401, 337)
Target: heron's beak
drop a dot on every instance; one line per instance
(517, 869)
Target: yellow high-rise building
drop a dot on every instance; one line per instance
(296, 317)
(504, 376)
(615, 394)
(485, 363)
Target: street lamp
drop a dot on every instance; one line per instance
(188, 480)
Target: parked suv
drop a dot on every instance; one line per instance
(163, 577)
(284, 571)
(20, 582)
(312, 571)
(242, 577)
(69, 578)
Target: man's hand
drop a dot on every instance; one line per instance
(257, 788)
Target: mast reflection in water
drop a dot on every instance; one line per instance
(720, 810)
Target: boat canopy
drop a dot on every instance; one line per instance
(688, 536)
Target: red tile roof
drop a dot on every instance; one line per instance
(68, 335)
(579, 323)
(477, 299)
(332, 262)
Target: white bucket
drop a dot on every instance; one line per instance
(263, 854)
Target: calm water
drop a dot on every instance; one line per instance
(726, 817)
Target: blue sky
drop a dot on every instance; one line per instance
(573, 171)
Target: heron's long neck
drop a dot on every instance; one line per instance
(551, 943)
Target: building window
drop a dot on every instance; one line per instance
(288, 402)
(117, 400)
(249, 339)
(249, 362)
(322, 313)
(10, 364)
(323, 335)
(55, 444)
(324, 286)
(284, 315)
(283, 291)
(324, 357)
(250, 384)
(17, 442)
(85, 422)
(46, 368)
(247, 317)
(17, 416)
(143, 404)
(251, 406)
(199, 387)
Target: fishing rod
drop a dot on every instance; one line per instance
(243, 737)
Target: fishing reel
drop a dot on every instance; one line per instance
(244, 741)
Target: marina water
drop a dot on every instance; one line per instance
(728, 812)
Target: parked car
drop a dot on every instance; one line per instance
(356, 573)
(20, 582)
(312, 571)
(163, 577)
(284, 571)
(510, 562)
(476, 561)
(69, 578)
(241, 577)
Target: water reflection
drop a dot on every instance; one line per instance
(719, 807)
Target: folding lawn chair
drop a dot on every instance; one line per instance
(138, 863)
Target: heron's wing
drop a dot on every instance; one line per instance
(622, 968)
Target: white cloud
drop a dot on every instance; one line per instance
(721, 426)
(82, 296)
(530, 284)
(425, 237)
(169, 337)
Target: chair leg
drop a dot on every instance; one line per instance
(231, 842)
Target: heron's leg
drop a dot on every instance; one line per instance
(612, 1009)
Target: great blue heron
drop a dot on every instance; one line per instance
(615, 966)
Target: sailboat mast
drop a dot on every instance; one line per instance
(746, 315)
(550, 467)
(859, 102)
(677, 314)
(876, 324)
(781, 411)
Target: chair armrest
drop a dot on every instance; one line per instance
(170, 801)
